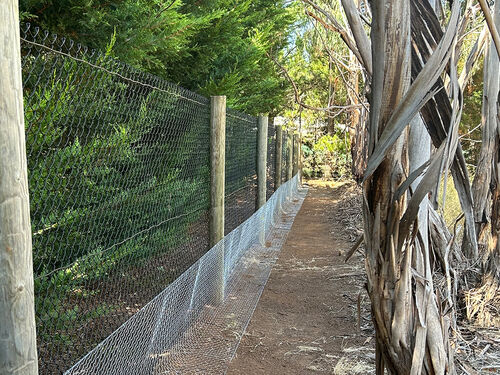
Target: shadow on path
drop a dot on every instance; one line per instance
(307, 319)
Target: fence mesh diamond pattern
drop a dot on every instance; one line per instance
(119, 179)
(284, 157)
(118, 165)
(271, 160)
(241, 168)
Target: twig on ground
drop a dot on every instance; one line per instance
(356, 246)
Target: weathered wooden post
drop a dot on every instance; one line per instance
(217, 188)
(278, 157)
(261, 160)
(295, 168)
(17, 309)
(289, 162)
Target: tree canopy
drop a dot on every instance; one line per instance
(214, 47)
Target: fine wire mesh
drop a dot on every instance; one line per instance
(271, 160)
(241, 168)
(184, 330)
(119, 178)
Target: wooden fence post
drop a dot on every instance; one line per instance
(278, 157)
(17, 309)
(217, 185)
(289, 162)
(295, 154)
(261, 160)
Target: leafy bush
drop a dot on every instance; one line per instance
(328, 157)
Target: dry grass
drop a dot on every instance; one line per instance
(483, 304)
(348, 366)
(478, 350)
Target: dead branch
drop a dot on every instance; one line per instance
(355, 247)
(491, 25)
(307, 106)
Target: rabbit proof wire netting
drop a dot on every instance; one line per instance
(119, 179)
(187, 329)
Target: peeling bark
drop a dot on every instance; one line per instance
(412, 334)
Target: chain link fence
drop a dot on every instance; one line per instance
(271, 160)
(119, 179)
(284, 157)
(241, 168)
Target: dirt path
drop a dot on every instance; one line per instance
(306, 321)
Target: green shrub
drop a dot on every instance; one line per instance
(327, 157)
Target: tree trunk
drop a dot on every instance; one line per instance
(357, 131)
(411, 333)
(394, 76)
(486, 189)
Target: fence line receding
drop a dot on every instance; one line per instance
(119, 180)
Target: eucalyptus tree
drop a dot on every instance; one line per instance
(486, 187)
(415, 98)
(412, 332)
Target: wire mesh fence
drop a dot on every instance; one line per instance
(119, 179)
(118, 167)
(271, 160)
(284, 157)
(241, 168)
(185, 330)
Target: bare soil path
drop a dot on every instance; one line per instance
(307, 319)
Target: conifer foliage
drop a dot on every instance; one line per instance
(211, 46)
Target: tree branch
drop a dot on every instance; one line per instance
(491, 25)
(362, 41)
(335, 25)
(337, 62)
(473, 58)
(307, 106)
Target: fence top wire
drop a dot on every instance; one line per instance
(234, 114)
(69, 48)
